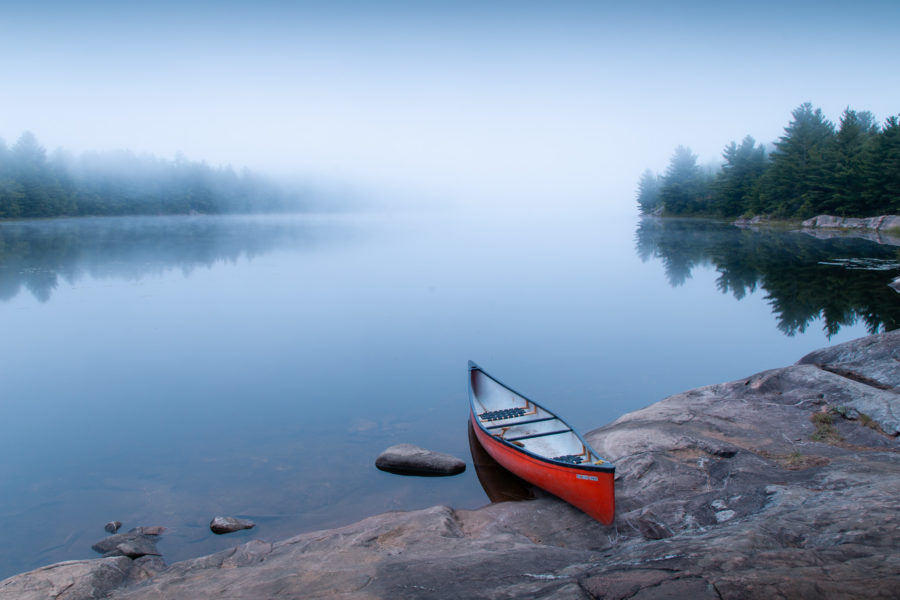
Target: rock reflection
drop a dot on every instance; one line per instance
(804, 278)
(499, 484)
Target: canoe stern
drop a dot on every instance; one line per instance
(589, 489)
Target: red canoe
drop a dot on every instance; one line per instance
(538, 446)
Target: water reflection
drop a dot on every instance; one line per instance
(842, 280)
(36, 255)
(499, 484)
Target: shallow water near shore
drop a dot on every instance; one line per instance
(162, 371)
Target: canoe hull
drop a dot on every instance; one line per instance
(591, 490)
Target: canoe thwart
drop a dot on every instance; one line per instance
(535, 435)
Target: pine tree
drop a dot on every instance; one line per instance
(882, 170)
(11, 192)
(683, 186)
(858, 131)
(736, 186)
(648, 192)
(797, 182)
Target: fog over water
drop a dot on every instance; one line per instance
(507, 103)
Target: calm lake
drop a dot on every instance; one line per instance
(162, 371)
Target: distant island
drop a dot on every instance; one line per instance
(852, 170)
(33, 185)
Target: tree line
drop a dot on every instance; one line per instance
(33, 184)
(852, 169)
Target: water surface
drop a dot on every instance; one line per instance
(161, 371)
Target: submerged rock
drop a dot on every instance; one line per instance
(155, 530)
(407, 459)
(135, 548)
(220, 525)
(133, 544)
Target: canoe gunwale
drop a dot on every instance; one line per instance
(606, 467)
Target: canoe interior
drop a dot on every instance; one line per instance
(511, 417)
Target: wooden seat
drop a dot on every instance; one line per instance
(517, 423)
(498, 415)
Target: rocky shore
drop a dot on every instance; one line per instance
(884, 229)
(882, 223)
(783, 484)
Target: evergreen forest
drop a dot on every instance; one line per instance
(849, 170)
(33, 184)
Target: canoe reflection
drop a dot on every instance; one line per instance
(499, 484)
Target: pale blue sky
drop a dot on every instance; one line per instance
(501, 101)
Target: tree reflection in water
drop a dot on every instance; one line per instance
(35, 255)
(841, 279)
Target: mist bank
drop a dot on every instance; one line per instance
(35, 185)
(850, 170)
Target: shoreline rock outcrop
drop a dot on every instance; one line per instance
(783, 484)
(883, 230)
(883, 222)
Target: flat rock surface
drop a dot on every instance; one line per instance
(727, 491)
(70, 580)
(407, 459)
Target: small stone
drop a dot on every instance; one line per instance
(112, 526)
(725, 515)
(220, 525)
(407, 459)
